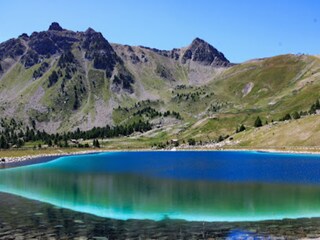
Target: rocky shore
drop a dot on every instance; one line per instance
(6, 160)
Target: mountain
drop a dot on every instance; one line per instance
(60, 80)
(63, 79)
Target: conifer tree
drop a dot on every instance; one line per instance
(242, 128)
(258, 122)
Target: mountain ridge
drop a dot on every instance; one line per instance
(60, 80)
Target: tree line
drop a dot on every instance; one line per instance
(13, 134)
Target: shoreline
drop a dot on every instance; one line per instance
(6, 160)
(25, 158)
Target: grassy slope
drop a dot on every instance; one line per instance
(301, 132)
(281, 85)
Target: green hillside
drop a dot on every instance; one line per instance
(58, 81)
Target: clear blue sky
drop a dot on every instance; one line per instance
(241, 29)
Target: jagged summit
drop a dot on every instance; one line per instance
(55, 27)
(90, 31)
(198, 51)
(60, 80)
(201, 51)
(78, 78)
(198, 41)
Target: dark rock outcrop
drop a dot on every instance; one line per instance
(123, 80)
(64, 40)
(66, 58)
(164, 72)
(55, 27)
(199, 51)
(47, 43)
(100, 51)
(24, 36)
(202, 52)
(12, 48)
(42, 43)
(164, 53)
(30, 58)
(129, 54)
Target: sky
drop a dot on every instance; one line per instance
(241, 29)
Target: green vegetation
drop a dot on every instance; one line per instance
(191, 142)
(151, 100)
(15, 134)
(241, 128)
(258, 122)
(96, 143)
(143, 110)
(53, 78)
(41, 70)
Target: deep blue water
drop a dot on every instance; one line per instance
(199, 185)
(229, 166)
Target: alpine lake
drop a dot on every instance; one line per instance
(163, 195)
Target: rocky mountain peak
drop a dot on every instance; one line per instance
(198, 41)
(89, 31)
(55, 27)
(204, 53)
(198, 51)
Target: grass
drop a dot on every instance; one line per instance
(281, 85)
(294, 133)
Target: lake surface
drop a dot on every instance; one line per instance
(194, 186)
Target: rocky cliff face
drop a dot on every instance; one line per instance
(75, 79)
(12, 48)
(198, 51)
(43, 45)
(203, 53)
(99, 51)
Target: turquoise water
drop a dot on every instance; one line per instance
(200, 186)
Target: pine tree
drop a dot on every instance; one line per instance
(286, 117)
(258, 122)
(242, 128)
(191, 141)
(20, 143)
(313, 109)
(3, 143)
(53, 78)
(295, 115)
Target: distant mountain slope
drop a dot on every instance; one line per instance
(64, 79)
(60, 80)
